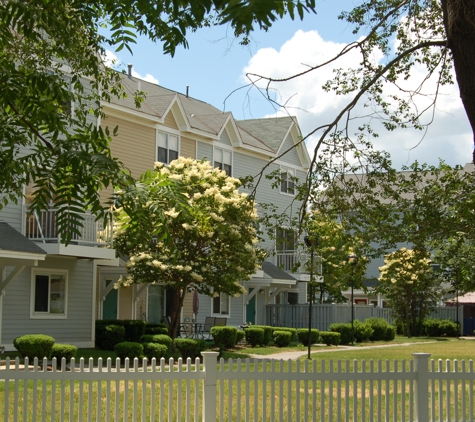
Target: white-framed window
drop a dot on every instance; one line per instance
(49, 293)
(167, 147)
(223, 159)
(221, 305)
(287, 180)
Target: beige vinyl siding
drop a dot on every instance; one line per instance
(170, 121)
(187, 147)
(77, 328)
(188, 307)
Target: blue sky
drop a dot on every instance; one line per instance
(214, 68)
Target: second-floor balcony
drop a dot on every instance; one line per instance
(295, 261)
(41, 227)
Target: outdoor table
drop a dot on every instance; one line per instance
(192, 330)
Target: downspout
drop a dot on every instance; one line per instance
(94, 298)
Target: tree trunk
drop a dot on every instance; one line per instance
(178, 298)
(459, 22)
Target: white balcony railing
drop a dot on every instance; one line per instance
(41, 226)
(297, 261)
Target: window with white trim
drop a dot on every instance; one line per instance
(48, 293)
(223, 159)
(221, 304)
(167, 147)
(287, 181)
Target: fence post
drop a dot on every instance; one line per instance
(209, 385)
(421, 393)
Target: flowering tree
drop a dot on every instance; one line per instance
(334, 246)
(210, 242)
(408, 282)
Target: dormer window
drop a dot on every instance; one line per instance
(223, 159)
(167, 147)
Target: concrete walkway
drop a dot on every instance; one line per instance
(321, 348)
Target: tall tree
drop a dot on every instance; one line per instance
(212, 239)
(53, 78)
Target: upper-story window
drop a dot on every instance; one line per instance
(167, 147)
(48, 293)
(223, 159)
(287, 180)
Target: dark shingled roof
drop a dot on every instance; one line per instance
(275, 272)
(13, 240)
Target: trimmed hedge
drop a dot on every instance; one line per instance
(157, 338)
(363, 331)
(189, 348)
(254, 336)
(155, 350)
(152, 328)
(440, 327)
(224, 337)
(282, 338)
(129, 349)
(290, 330)
(302, 336)
(382, 330)
(108, 335)
(133, 328)
(345, 331)
(240, 335)
(60, 351)
(330, 338)
(267, 334)
(34, 345)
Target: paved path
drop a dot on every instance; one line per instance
(318, 348)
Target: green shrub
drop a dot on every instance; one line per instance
(302, 336)
(155, 350)
(224, 337)
(363, 331)
(290, 330)
(129, 349)
(134, 329)
(107, 336)
(282, 338)
(34, 345)
(151, 328)
(189, 348)
(330, 338)
(61, 351)
(380, 327)
(240, 335)
(390, 333)
(345, 331)
(157, 338)
(254, 336)
(267, 334)
(440, 327)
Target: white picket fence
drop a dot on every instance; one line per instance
(239, 390)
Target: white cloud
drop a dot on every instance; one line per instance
(111, 60)
(448, 137)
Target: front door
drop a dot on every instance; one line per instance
(251, 310)
(109, 306)
(155, 304)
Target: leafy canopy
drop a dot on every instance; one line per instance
(53, 81)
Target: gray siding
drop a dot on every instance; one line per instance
(204, 150)
(224, 139)
(12, 214)
(291, 157)
(77, 328)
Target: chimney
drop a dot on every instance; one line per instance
(130, 69)
(187, 90)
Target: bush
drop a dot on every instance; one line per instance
(107, 336)
(282, 338)
(267, 334)
(302, 336)
(254, 336)
(363, 331)
(34, 345)
(290, 330)
(330, 338)
(155, 350)
(440, 327)
(156, 329)
(60, 351)
(345, 331)
(157, 338)
(129, 349)
(390, 333)
(224, 337)
(380, 329)
(189, 348)
(134, 329)
(240, 335)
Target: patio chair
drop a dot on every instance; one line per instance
(220, 321)
(206, 330)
